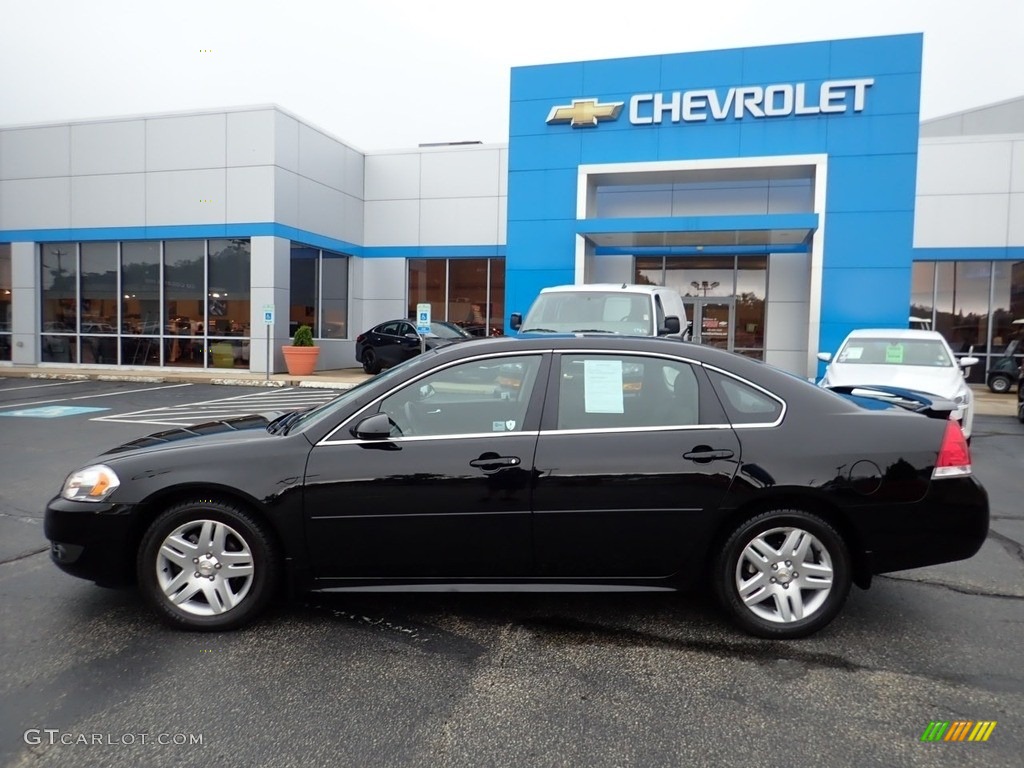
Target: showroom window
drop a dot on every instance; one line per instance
(469, 293)
(319, 292)
(6, 321)
(173, 303)
(978, 306)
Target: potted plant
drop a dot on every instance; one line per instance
(301, 355)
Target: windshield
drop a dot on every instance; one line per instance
(448, 331)
(894, 351)
(331, 407)
(590, 312)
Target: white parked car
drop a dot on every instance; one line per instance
(909, 359)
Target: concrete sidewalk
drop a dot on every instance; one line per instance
(987, 402)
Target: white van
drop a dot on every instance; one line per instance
(630, 310)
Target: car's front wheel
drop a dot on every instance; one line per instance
(999, 384)
(783, 574)
(208, 565)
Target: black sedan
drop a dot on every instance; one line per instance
(535, 464)
(395, 341)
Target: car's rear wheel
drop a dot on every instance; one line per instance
(783, 574)
(370, 362)
(999, 384)
(208, 565)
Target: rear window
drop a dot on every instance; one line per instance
(743, 403)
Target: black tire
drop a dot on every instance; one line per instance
(1000, 384)
(764, 615)
(236, 540)
(370, 362)
(1020, 413)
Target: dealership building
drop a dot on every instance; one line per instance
(790, 193)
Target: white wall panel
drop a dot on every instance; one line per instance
(612, 269)
(381, 279)
(180, 197)
(502, 220)
(321, 208)
(460, 173)
(109, 200)
(33, 153)
(250, 138)
(286, 141)
(352, 180)
(945, 168)
(1017, 172)
(286, 197)
(786, 326)
(720, 201)
(185, 143)
(391, 222)
(321, 158)
(946, 221)
(790, 198)
(250, 194)
(1015, 236)
(789, 277)
(792, 361)
(459, 221)
(35, 203)
(366, 313)
(352, 220)
(392, 177)
(115, 147)
(503, 171)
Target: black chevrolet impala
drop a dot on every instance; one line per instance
(554, 463)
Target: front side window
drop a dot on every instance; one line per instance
(626, 391)
(478, 397)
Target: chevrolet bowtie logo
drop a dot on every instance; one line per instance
(584, 113)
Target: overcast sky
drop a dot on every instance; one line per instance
(382, 74)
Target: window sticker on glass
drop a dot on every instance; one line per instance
(851, 353)
(602, 386)
(894, 354)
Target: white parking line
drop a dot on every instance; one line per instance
(90, 397)
(36, 386)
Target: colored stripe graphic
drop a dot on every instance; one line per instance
(958, 730)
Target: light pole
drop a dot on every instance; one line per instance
(705, 286)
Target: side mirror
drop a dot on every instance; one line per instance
(671, 326)
(413, 336)
(376, 427)
(967, 362)
(515, 321)
(825, 357)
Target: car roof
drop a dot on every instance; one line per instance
(602, 287)
(894, 333)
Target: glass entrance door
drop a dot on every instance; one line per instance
(713, 322)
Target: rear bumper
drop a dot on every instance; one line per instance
(950, 523)
(92, 541)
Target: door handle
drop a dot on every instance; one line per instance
(702, 454)
(492, 462)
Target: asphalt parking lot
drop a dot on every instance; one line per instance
(90, 678)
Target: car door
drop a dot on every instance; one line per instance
(631, 466)
(447, 493)
(409, 343)
(388, 344)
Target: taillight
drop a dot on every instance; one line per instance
(954, 456)
(360, 338)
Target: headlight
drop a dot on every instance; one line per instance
(94, 483)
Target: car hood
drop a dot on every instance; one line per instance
(208, 433)
(944, 381)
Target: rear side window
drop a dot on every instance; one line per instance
(743, 403)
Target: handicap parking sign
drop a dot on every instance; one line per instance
(422, 318)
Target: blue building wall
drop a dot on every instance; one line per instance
(872, 159)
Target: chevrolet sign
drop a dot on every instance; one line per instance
(779, 100)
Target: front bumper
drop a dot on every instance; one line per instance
(92, 541)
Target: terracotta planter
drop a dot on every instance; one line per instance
(301, 361)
